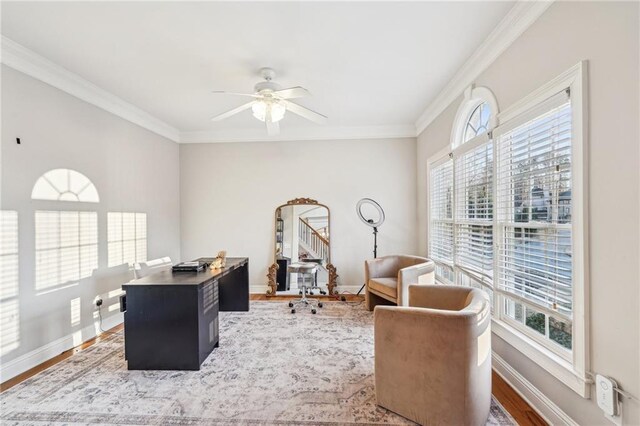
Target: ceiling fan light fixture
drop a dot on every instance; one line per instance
(260, 108)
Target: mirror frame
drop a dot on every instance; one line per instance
(331, 270)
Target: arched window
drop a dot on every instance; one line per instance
(478, 122)
(462, 198)
(476, 116)
(65, 185)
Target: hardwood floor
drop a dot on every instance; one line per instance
(510, 400)
(53, 361)
(513, 403)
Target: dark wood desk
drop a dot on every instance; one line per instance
(233, 284)
(171, 319)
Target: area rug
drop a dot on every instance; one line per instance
(272, 368)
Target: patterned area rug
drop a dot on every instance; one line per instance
(272, 368)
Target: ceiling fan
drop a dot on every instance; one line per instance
(271, 102)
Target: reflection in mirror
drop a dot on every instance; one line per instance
(302, 235)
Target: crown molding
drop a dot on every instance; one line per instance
(300, 134)
(518, 19)
(34, 65)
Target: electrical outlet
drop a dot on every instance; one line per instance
(98, 302)
(606, 395)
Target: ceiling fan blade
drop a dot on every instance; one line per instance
(292, 93)
(273, 128)
(305, 113)
(222, 92)
(232, 112)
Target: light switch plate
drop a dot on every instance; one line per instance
(606, 395)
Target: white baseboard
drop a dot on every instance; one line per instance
(19, 365)
(262, 289)
(549, 411)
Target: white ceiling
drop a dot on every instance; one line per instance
(366, 63)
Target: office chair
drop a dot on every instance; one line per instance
(305, 270)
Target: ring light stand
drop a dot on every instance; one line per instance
(372, 223)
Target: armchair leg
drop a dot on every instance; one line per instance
(368, 300)
(372, 300)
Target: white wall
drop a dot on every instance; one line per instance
(607, 35)
(133, 170)
(229, 193)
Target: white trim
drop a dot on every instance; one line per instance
(553, 364)
(19, 365)
(519, 18)
(34, 65)
(30, 63)
(300, 134)
(575, 74)
(547, 409)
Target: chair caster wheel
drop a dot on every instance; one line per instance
(300, 293)
(313, 311)
(320, 305)
(290, 304)
(311, 293)
(293, 311)
(344, 299)
(323, 293)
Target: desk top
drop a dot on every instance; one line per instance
(167, 277)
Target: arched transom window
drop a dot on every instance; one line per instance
(65, 185)
(478, 122)
(477, 115)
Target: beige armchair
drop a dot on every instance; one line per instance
(388, 278)
(433, 359)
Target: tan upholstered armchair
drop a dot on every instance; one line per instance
(433, 359)
(388, 278)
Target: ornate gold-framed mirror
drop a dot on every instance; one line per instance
(302, 235)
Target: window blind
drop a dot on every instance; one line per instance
(441, 212)
(534, 207)
(474, 209)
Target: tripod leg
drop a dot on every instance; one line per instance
(361, 288)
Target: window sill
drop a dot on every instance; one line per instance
(555, 365)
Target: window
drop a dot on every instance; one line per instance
(461, 197)
(478, 122)
(461, 243)
(474, 208)
(65, 185)
(9, 308)
(534, 220)
(127, 238)
(441, 214)
(66, 247)
(519, 227)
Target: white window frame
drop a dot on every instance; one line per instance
(570, 369)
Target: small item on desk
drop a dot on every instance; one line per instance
(220, 261)
(189, 267)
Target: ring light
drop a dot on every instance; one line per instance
(371, 222)
(368, 221)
